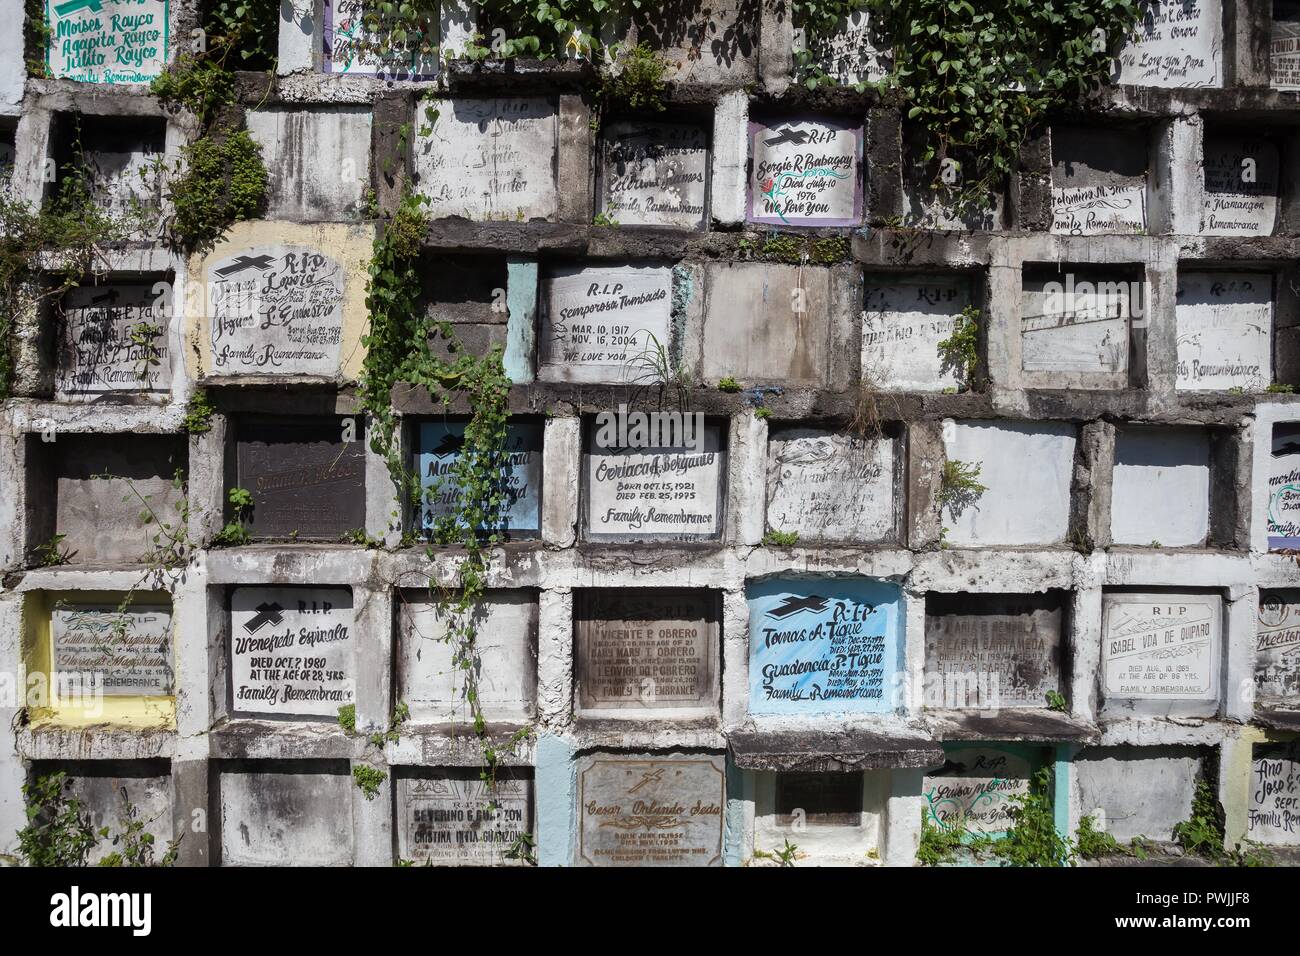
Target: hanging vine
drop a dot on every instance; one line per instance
(398, 350)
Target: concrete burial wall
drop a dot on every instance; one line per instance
(781, 624)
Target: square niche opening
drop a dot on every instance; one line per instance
(1099, 180)
(103, 657)
(832, 486)
(111, 340)
(993, 651)
(671, 487)
(1241, 176)
(832, 816)
(467, 291)
(1083, 326)
(904, 318)
(1225, 330)
(117, 154)
(649, 653)
(449, 817)
(107, 495)
(114, 793)
(435, 447)
(307, 476)
(1139, 792)
(8, 150)
(1283, 513)
(505, 672)
(281, 812)
(654, 173)
(1160, 492)
(924, 203)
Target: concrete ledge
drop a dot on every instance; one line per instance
(95, 742)
(820, 752)
(1035, 726)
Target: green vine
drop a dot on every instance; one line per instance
(959, 353)
(398, 351)
(59, 830)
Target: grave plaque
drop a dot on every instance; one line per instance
(112, 341)
(805, 172)
(1162, 647)
(307, 482)
(975, 788)
(1284, 45)
(639, 650)
(292, 651)
(1274, 811)
(490, 159)
(1284, 488)
(1241, 186)
(117, 652)
(831, 487)
(903, 322)
(350, 48)
(1099, 209)
(105, 787)
(118, 166)
(107, 41)
(1077, 326)
(656, 493)
(276, 310)
(1277, 648)
(992, 650)
(505, 648)
(437, 453)
(654, 174)
(849, 54)
(1225, 331)
(605, 323)
(830, 646)
(650, 811)
(1179, 44)
(455, 820)
(1099, 180)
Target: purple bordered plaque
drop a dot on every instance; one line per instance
(805, 171)
(343, 50)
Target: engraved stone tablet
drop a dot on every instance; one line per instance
(805, 172)
(992, 650)
(1241, 186)
(824, 646)
(646, 650)
(505, 650)
(1284, 45)
(828, 486)
(605, 323)
(975, 788)
(903, 322)
(654, 174)
(454, 819)
(438, 449)
(106, 41)
(114, 651)
(293, 651)
(276, 310)
(1225, 331)
(113, 341)
(489, 159)
(650, 810)
(1161, 647)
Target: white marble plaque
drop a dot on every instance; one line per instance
(1179, 44)
(118, 652)
(1241, 186)
(1161, 647)
(489, 159)
(276, 310)
(831, 487)
(654, 174)
(106, 41)
(805, 172)
(506, 659)
(293, 651)
(1274, 809)
(1077, 326)
(1277, 647)
(1225, 331)
(605, 323)
(113, 340)
(459, 821)
(903, 323)
(655, 493)
(1099, 209)
(1284, 45)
